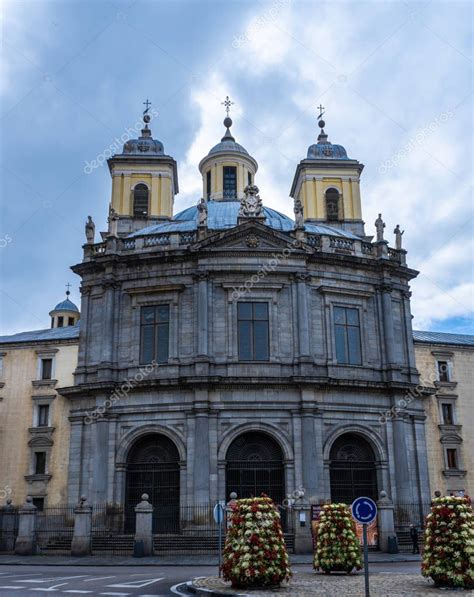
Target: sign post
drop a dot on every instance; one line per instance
(218, 513)
(364, 510)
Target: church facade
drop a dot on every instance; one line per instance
(228, 348)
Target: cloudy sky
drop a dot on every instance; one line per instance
(395, 78)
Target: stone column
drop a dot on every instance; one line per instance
(143, 545)
(202, 315)
(201, 448)
(309, 453)
(303, 319)
(389, 334)
(8, 516)
(98, 481)
(82, 537)
(386, 523)
(402, 467)
(25, 544)
(302, 526)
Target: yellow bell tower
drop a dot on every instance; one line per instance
(327, 183)
(228, 168)
(144, 181)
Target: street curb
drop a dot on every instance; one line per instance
(199, 591)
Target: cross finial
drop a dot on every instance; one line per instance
(147, 105)
(68, 286)
(321, 109)
(227, 103)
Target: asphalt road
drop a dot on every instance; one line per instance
(113, 581)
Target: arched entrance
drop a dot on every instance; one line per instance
(153, 468)
(254, 465)
(352, 469)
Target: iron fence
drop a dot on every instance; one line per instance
(8, 529)
(54, 529)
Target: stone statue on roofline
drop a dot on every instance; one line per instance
(299, 216)
(90, 230)
(398, 237)
(251, 205)
(379, 226)
(113, 221)
(202, 212)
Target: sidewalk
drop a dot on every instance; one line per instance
(204, 560)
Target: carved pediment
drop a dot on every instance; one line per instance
(251, 236)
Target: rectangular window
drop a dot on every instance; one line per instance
(60, 322)
(452, 458)
(43, 415)
(208, 184)
(154, 334)
(230, 182)
(253, 331)
(249, 178)
(347, 335)
(39, 503)
(46, 368)
(447, 411)
(70, 321)
(40, 463)
(443, 370)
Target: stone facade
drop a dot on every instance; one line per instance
(448, 427)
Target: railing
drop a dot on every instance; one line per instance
(156, 240)
(367, 248)
(54, 528)
(314, 240)
(128, 244)
(98, 249)
(186, 238)
(394, 255)
(8, 529)
(344, 244)
(412, 513)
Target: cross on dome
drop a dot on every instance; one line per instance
(227, 103)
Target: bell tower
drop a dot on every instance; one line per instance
(327, 183)
(228, 168)
(144, 181)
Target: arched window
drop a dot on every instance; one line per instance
(255, 466)
(332, 204)
(140, 201)
(153, 468)
(352, 469)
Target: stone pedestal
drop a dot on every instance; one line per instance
(143, 545)
(25, 544)
(302, 525)
(381, 249)
(82, 537)
(386, 522)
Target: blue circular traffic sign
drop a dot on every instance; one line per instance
(364, 510)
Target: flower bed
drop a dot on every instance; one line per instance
(337, 544)
(448, 554)
(255, 553)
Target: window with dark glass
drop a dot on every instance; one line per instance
(154, 336)
(43, 415)
(140, 201)
(452, 457)
(208, 184)
(443, 371)
(253, 336)
(70, 321)
(40, 463)
(60, 321)
(347, 334)
(332, 204)
(447, 411)
(249, 178)
(230, 182)
(39, 503)
(46, 368)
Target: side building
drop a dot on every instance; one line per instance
(34, 426)
(446, 362)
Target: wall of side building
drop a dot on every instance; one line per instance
(21, 434)
(443, 435)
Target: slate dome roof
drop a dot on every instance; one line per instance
(66, 305)
(145, 144)
(222, 215)
(326, 151)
